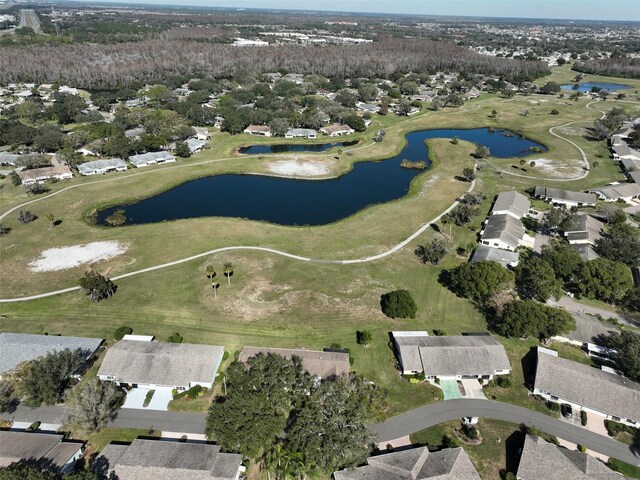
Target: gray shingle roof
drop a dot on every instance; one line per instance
(15, 446)
(484, 253)
(151, 157)
(414, 464)
(169, 460)
(513, 202)
(585, 385)
(301, 132)
(622, 190)
(16, 348)
(585, 251)
(541, 460)
(194, 144)
(584, 228)
(318, 364)
(505, 228)
(106, 163)
(160, 363)
(557, 194)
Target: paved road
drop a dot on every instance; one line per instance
(436, 413)
(28, 18)
(572, 305)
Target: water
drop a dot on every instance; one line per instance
(587, 86)
(309, 202)
(300, 147)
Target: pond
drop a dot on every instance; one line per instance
(288, 147)
(588, 86)
(309, 202)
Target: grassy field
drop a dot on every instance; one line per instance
(280, 302)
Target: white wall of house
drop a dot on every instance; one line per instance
(497, 243)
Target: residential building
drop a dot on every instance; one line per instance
(587, 335)
(318, 364)
(582, 386)
(631, 168)
(540, 459)
(7, 158)
(582, 234)
(618, 191)
(337, 130)
(511, 203)
(151, 158)
(195, 145)
(106, 165)
(134, 132)
(36, 448)
(167, 460)
(16, 348)
(506, 232)
(566, 198)
(506, 258)
(368, 107)
(262, 130)
(40, 175)
(69, 90)
(146, 364)
(451, 357)
(414, 464)
(301, 133)
(202, 133)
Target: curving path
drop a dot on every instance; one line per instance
(436, 413)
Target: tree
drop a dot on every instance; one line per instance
(330, 428)
(228, 271)
(631, 302)
(367, 91)
(92, 404)
(432, 252)
(494, 114)
(526, 318)
(66, 107)
(478, 281)
(482, 152)
(4, 229)
(279, 126)
(555, 112)
(604, 279)
(404, 107)
(346, 99)
(25, 216)
(550, 88)
(620, 243)
(45, 379)
(261, 395)
(536, 279)
(51, 219)
(469, 174)
(627, 346)
(398, 304)
(211, 271)
(563, 259)
(355, 122)
(215, 285)
(462, 214)
(26, 470)
(183, 150)
(363, 337)
(612, 214)
(49, 138)
(557, 219)
(96, 286)
(6, 395)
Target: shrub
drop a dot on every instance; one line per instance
(96, 286)
(504, 381)
(439, 333)
(195, 391)
(225, 355)
(448, 442)
(33, 427)
(35, 189)
(398, 304)
(363, 337)
(470, 431)
(583, 418)
(4, 229)
(175, 338)
(25, 216)
(555, 112)
(122, 331)
(553, 406)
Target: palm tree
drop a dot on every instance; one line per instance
(446, 219)
(51, 219)
(215, 285)
(211, 271)
(228, 271)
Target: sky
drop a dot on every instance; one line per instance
(628, 10)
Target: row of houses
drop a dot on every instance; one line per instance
(335, 130)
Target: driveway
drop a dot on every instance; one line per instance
(450, 389)
(540, 241)
(472, 388)
(159, 401)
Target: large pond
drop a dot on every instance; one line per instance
(298, 147)
(310, 202)
(589, 86)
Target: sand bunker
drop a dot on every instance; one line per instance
(62, 258)
(302, 169)
(568, 169)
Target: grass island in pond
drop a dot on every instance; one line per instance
(311, 202)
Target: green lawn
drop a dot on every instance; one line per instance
(630, 471)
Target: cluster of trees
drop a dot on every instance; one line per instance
(97, 287)
(603, 128)
(619, 66)
(274, 412)
(627, 346)
(80, 64)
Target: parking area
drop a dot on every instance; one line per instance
(136, 398)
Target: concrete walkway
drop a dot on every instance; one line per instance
(574, 306)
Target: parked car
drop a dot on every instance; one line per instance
(566, 410)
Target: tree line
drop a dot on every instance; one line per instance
(614, 67)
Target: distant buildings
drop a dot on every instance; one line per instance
(318, 364)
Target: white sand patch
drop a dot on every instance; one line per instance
(62, 258)
(569, 169)
(302, 169)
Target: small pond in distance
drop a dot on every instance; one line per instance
(587, 86)
(299, 147)
(309, 202)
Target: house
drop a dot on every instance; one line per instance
(506, 232)
(39, 448)
(582, 234)
(630, 165)
(618, 191)
(69, 90)
(167, 460)
(134, 102)
(566, 198)
(582, 386)
(40, 175)
(451, 357)
(134, 132)
(195, 145)
(301, 133)
(262, 130)
(540, 459)
(511, 203)
(414, 464)
(16, 348)
(318, 364)
(106, 165)
(7, 158)
(202, 133)
(368, 107)
(484, 253)
(156, 365)
(587, 336)
(337, 130)
(151, 158)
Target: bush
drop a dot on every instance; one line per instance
(122, 331)
(553, 406)
(33, 427)
(175, 338)
(225, 355)
(448, 442)
(35, 189)
(470, 431)
(25, 216)
(363, 337)
(555, 112)
(96, 286)
(195, 391)
(504, 381)
(439, 333)
(583, 418)
(4, 229)
(398, 304)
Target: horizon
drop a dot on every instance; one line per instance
(617, 10)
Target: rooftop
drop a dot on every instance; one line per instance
(94, 165)
(16, 446)
(16, 348)
(513, 202)
(566, 195)
(621, 190)
(150, 157)
(44, 172)
(584, 385)
(318, 364)
(484, 253)
(505, 228)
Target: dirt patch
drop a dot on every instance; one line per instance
(570, 168)
(63, 258)
(299, 168)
